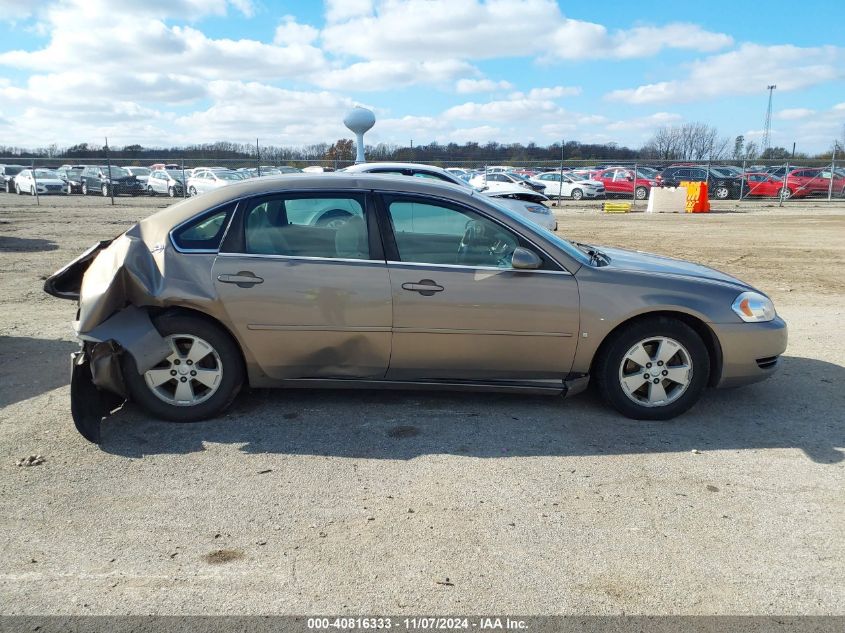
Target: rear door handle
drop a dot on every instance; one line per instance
(425, 287)
(243, 279)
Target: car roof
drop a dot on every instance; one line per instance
(365, 167)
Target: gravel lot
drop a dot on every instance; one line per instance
(408, 503)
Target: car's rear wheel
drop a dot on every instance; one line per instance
(577, 194)
(192, 191)
(198, 380)
(150, 191)
(722, 193)
(641, 193)
(784, 193)
(654, 369)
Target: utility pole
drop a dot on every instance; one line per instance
(108, 167)
(767, 127)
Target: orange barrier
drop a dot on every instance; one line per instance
(697, 200)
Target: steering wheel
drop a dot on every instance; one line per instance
(477, 244)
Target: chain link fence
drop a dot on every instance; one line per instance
(785, 181)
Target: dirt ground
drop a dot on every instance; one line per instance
(408, 503)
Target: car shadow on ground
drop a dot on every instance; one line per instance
(800, 407)
(10, 244)
(32, 366)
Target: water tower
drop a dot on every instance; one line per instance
(359, 120)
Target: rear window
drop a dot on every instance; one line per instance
(205, 232)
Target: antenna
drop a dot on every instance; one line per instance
(767, 126)
(359, 120)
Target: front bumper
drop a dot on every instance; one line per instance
(750, 351)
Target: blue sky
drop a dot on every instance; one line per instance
(168, 72)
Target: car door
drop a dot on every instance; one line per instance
(307, 301)
(460, 310)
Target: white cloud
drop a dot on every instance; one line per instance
(467, 86)
(746, 70)
(292, 32)
(548, 93)
(645, 122)
(789, 114)
(391, 74)
(338, 10)
(471, 29)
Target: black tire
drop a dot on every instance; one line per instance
(784, 193)
(192, 191)
(104, 189)
(613, 352)
(8, 187)
(84, 188)
(32, 191)
(641, 193)
(577, 194)
(18, 190)
(171, 192)
(151, 192)
(230, 360)
(722, 193)
(69, 189)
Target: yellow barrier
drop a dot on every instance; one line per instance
(697, 199)
(617, 207)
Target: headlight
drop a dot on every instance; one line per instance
(752, 307)
(537, 208)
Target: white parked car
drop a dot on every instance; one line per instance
(166, 182)
(527, 203)
(204, 180)
(503, 180)
(565, 185)
(44, 181)
(141, 173)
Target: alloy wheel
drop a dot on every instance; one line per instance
(655, 372)
(190, 375)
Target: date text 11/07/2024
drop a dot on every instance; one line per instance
(417, 623)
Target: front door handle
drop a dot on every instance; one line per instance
(243, 279)
(425, 287)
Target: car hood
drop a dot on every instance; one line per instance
(637, 261)
(50, 181)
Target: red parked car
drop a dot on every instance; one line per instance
(768, 186)
(810, 181)
(620, 181)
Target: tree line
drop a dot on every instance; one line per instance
(689, 141)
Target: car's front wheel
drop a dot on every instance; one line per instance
(577, 194)
(722, 193)
(653, 369)
(641, 193)
(105, 190)
(199, 379)
(69, 189)
(192, 191)
(171, 192)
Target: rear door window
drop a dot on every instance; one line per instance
(205, 232)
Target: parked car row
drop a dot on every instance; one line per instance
(724, 181)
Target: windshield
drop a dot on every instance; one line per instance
(116, 172)
(566, 246)
(46, 173)
(176, 174)
(230, 175)
(721, 173)
(11, 171)
(140, 171)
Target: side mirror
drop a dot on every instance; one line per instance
(523, 259)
